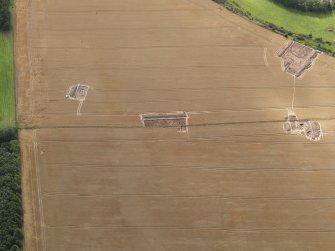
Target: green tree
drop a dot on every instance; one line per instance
(4, 15)
(308, 5)
(11, 215)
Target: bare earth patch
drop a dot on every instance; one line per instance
(177, 119)
(77, 92)
(310, 129)
(297, 58)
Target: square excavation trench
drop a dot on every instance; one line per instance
(297, 58)
(77, 92)
(163, 120)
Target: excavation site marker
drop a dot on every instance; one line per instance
(176, 119)
(297, 58)
(310, 129)
(78, 92)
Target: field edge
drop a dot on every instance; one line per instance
(301, 38)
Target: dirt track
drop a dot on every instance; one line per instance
(235, 181)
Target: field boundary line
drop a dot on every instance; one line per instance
(196, 228)
(39, 190)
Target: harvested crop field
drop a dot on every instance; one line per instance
(100, 180)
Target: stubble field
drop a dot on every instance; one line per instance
(97, 180)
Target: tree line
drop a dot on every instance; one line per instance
(11, 214)
(308, 39)
(309, 5)
(5, 15)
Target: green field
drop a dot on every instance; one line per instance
(301, 24)
(7, 81)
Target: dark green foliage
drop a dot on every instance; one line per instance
(234, 7)
(309, 40)
(11, 236)
(319, 39)
(4, 15)
(7, 135)
(308, 5)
